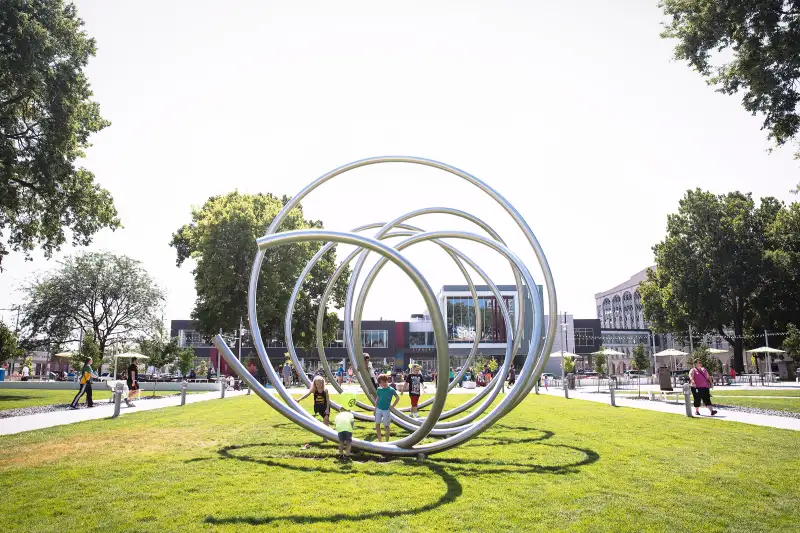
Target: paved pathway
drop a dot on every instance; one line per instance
(102, 409)
(19, 424)
(680, 409)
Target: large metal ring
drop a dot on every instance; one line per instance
(453, 432)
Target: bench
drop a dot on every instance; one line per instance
(111, 384)
(667, 393)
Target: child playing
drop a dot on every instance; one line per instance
(385, 394)
(345, 423)
(415, 386)
(322, 404)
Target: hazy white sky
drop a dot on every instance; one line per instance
(573, 110)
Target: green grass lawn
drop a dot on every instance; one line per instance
(14, 398)
(551, 465)
(771, 392)
(778, 404)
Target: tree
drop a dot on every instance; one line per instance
(740, 45)
(708, 361)
(9, 346)
(600, 362)
(103, 295)
(221, 240)
(185, 358)
(569, 365)
(791, 343)
(712, 270)
(46, 118)
(160, 352)
(640, 362)
(640, 359)
(202, 368)
(88, 348)
(782, 297)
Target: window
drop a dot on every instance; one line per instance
(374, 338)
(370, 338)
(616, 305)
(461, 319)
(627, 310)
(584, 337)
(188, 338)
(420, 338)
(607, 313)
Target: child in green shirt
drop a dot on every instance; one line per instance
(345, 423)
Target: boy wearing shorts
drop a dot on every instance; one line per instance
(414, 380)
(345, 423)
(385, 395)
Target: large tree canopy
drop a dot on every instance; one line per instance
(221, 240)
(108, 296)
(721, 266)
(742, 45)
(46, 117)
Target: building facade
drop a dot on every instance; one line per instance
(621, 307)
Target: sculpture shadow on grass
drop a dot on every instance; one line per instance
(446, 468)
(452, 492)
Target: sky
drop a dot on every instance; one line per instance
(574, 111)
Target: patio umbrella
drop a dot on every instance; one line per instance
(63, 354)
(561, 355)
(671, 352)
(769, 351)
(126, 355)
(607, 351)
(715, 351)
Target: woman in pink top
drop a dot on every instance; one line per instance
(698, 376)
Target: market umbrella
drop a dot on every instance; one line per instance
(671, 352)
(562, 355)
(126, 355)
(769, 351)
(715, 351)
(606, 352)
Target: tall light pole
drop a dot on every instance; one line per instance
(563, 340)
(239, 355)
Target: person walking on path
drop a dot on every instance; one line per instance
(287, 375)
(133, 383)
(512, 377)
(370, 370)
(701, 387)
(86, 385)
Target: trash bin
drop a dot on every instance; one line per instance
(2, 374)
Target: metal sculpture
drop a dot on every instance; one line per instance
(452, 432)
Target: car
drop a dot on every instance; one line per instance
(635, 373)
(547, 375)
(105, 376)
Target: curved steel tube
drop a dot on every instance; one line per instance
(456, 431)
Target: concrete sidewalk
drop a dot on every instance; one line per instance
(780, 422)
(102, 409)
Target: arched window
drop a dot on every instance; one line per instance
(637, 308)
(627, 310)
(606, 313)
(616, 310)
